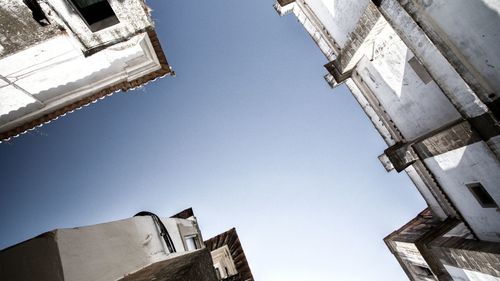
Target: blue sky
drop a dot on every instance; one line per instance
(248, 133)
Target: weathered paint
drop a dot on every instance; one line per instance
(473, 35)
(339, 17)
(18, 29)
(54, 73)
(426, 193)
(459, 274)
(133, 16)
(449, 80)
(466, 165)
(48, 71)
(101, 252)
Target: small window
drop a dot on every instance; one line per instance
(191, 243)
(482, 195)
(98, 14)
(422, 271)
(420, 70)
(217, 272)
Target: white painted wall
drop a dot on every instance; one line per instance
(109, 251)
(415, 107)
(471, 164)
(424, 190)
(55, 73)
(443, 72)
(132, 14)
(409, 251)
(182, 228)
(472, 28)
(340, 17)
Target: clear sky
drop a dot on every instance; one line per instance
(248, 133)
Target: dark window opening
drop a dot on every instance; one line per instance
(482, 195)
(98, 14)
(422, 271)
(217, 272)
(420, 70)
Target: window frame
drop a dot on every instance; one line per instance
(477, 186)
(195, 241)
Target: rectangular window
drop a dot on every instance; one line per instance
(420, 70)
(482, 195)
(191, 243)
(98, 14)
(217, 272)
(422, 271)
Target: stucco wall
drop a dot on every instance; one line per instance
(415, 107)
(472, 29)
(34, 260)
(55, 73)
(426, 193)
(132, 14)
(339, 16)
(434, 61)
(101, 252)
(471, 164)
(18, 29)
(109, 251)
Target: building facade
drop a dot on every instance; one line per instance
(430, 249)
(57, 56)
(229, 259)
(426, 72)
(145, 247)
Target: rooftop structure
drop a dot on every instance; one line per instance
(57, 56)
(145, 247)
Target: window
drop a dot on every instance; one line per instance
(420, 70)
(217, 271)
(98, 14)
(191, 243)
(482, 195)
(422, 271)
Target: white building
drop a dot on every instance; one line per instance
(145, 247)
(426, 72)
(59, 55)
(108, 251)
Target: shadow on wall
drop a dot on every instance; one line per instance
(470, 177)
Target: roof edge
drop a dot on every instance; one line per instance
(164, 70)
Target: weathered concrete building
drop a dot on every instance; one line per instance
(426, 72)
(59, 55)
(145, 247)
